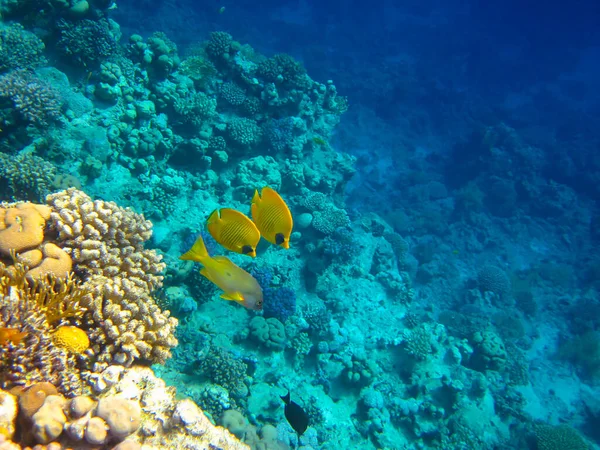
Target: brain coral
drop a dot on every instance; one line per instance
(561, 437)
(494, 279)
(71, 338)
(269, 332)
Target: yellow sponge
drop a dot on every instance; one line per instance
(73, 339)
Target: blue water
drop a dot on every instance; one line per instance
(442, 285)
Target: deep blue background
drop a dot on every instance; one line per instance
(439, 66)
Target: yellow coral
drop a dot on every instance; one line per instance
(56, 299)
(73, 339)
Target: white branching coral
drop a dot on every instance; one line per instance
(106, 243)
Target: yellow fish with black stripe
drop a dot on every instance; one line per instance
(272, 217)
(237, 284)
(234, 231)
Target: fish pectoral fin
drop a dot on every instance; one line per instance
(233, 296)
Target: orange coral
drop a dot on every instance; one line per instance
(73, 339)
(22, 227)
(32, 398)
(56, 262)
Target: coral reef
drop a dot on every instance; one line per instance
(34, 101)
(130, 408)
(106, 245)
(429, 275)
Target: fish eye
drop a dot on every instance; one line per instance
(247, 249)
(279, 238)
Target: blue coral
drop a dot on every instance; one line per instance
(341, 243)
(279, 133)
(279, 302)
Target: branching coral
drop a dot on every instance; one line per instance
(219, 45)
(283, 69)
(33, 100)
(222, 368)
(20, 49)
(33, 309)
(106, 243)
(233, 94)
(86, 41)
(25, 176)
(127, 323)
(105, 239)
(243, 131)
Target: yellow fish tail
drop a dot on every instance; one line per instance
(197, 253)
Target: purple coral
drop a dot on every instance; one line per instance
(33, 99)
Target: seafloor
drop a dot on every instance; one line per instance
(441, 287)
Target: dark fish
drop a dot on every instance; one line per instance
(295, 415)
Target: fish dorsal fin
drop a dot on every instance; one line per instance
(270, 194)
(222, 259)
(214, 217)
(255, 197)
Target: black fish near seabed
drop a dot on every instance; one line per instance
(295, 415)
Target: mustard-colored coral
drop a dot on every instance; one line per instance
(54, 262)
(71, 338)
(22, 237)
(22, 227)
